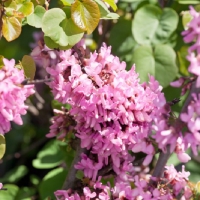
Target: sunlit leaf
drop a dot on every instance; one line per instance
(112, 4)
(186, 18)
(105, 13)
(73, 32)
(188, 1)
(67, 2)
(50, 156)
(57, 177)
(2, 146)
(55, 16)
(11, 28)
(25, 7)
(160, 62)
(35, 19)
(38, 2)
(1, 61)
(10, 193)
(29, 67)
(64, 33)
(85, 14)
(151, 25)
(183, 62)
(15, 174)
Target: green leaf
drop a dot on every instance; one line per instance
(52, 182)
(120, 37)
(54, 16)
(151, 25)
(10, 193)
(105, 13)
(64, 33)
(35, 19)
(183, 62)
(15, 174)
(52, 45)
(29, 67)
(188, 1)
(2, 146)
(85, 14)
(161, 63)
(1, 63)
(67, 2)
(25, 193)
(73, 32)
(79, 174)
(50, 156)
(24, 7)
(186, 18)
(38, 2)
(112, 4)
(11, 28)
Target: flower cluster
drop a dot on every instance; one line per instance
(113, 111)
(191, 117)
(12, 95)
(173, 185)
(116, 118)
(192, 34)
(62, 124)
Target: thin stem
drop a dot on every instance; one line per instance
(71, 177)
(163, 157)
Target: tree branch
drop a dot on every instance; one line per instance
(163, 157)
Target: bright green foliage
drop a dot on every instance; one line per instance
(67, 2)
(15, 174)
(85, 14)
(112, 4)
(35, 19)
(11, 28)
(186, 18)
(188, 1)
(105, 13)
(16, 193)
(2, 146)
(183, 62)
(64, 33)
(15, 11)
(26, 8)
(1, 61)
(10, 193)
(156, 62)
(29, 67)
(50, 156)
(38, 2)
(52, 182)
(151, 25)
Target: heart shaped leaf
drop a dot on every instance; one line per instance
(85, 14)
(11, 28)
(161, 63)
(151, 25)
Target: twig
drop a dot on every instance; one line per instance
(163, 157)
(71, 176)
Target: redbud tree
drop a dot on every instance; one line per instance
(100, 99)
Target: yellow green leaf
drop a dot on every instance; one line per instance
(28, 65)
(1, 61)
(2, 146)
(11, 28)
(112, 4)
(186, 18)
(85, 14)
(26, 8)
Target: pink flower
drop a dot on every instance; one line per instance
(12, 95)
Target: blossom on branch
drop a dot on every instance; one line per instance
(12, 95)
